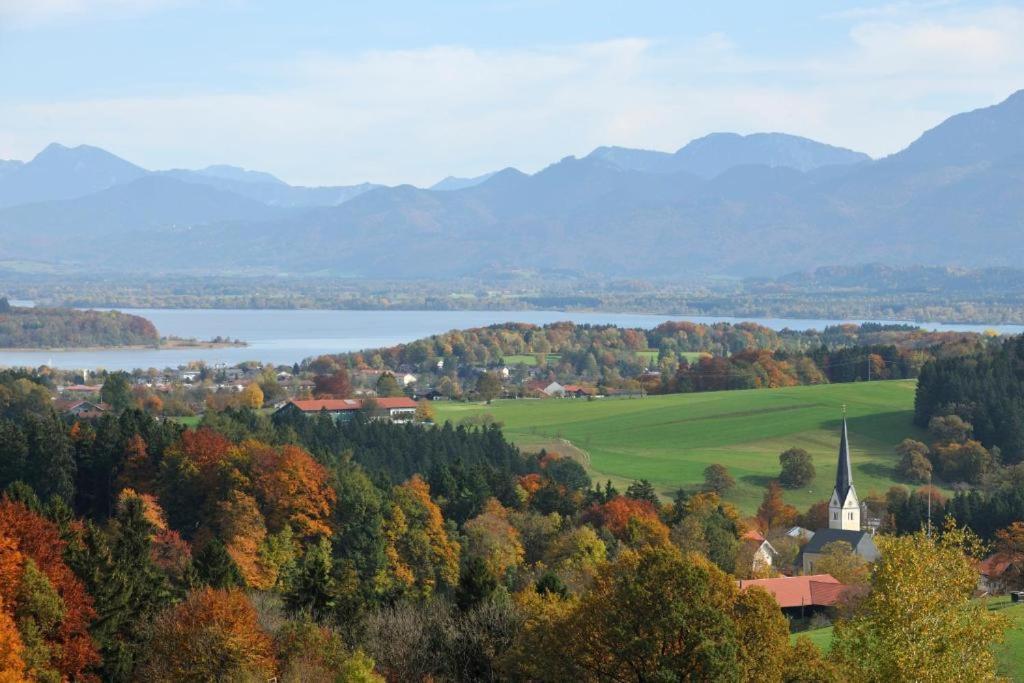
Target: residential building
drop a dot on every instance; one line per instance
(799, 596)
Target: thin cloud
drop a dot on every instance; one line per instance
(417, 115)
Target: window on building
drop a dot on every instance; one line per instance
(835, 515)
(851, 515)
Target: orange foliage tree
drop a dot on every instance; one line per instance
(212, 635)
(292, 489)
(629, 520)
(774, 512)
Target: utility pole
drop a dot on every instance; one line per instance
(929, 505)
(869, 367)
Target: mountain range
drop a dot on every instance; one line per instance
(724, 204)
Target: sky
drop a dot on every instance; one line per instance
(341, 92)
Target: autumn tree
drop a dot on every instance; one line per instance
(629, 519)
(335, 385)
(424, 411)
(421, 556)
(68, 643)
(292, 489)
(838, 559)
(251, 396)
(919, 621)
(491, 538)
(654, 613)
(914, 465)
(797, 468)
(213, 635)
(774, 512)
(717, 479)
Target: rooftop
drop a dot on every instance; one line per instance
(821, 590)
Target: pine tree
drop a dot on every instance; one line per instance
(128, 589)
(215, 567)
(313, 587)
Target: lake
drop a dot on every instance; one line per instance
(288, 336)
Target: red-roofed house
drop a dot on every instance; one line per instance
(999, 573)
(400, 409)
(801, 593)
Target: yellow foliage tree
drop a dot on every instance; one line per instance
(421, 555)
(424, 411)
(251, 396)
(494, 540)
(919, 622)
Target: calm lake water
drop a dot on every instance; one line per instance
(286, 337)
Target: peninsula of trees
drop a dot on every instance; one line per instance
(54, 328)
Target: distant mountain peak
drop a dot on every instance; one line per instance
(451, 182)
(716, 153)
(228, 172)
(982, 135)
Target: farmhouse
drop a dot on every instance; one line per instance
(85, 410)
(844, 514)
(801, 595)
(401, 409)
(999, 573)
(568, 390)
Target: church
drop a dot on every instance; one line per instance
(844, 515)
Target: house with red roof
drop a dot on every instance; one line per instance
(400, 409)
(801, 595)
(1000, 573)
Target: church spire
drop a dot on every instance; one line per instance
(844, 473)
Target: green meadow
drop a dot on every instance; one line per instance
(670, 439)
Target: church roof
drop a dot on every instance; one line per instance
(844, 473)
(822, 537)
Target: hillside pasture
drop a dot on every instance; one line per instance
(670, 439)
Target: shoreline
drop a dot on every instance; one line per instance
(164, 345)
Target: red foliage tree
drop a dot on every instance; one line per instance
(335, 385)
(40, 539)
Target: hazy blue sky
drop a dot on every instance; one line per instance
(341, 92)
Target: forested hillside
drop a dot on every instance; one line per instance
(41, 328)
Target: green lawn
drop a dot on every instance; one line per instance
(1010, 653)
(669, 440)
(529, 359)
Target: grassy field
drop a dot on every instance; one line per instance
(1010, 653)
(529, 359)
(669, 440)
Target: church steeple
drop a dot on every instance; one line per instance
(844, 474)
(844, 507)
